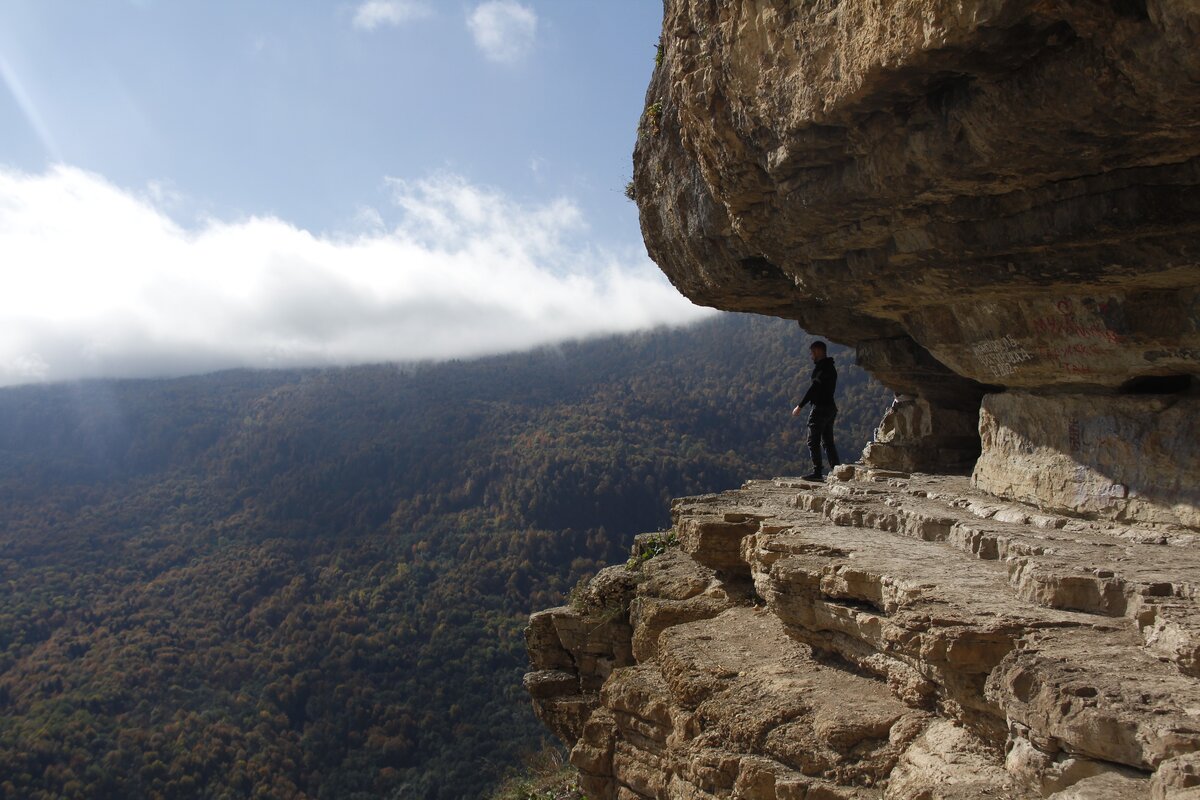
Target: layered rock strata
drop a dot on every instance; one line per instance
(1002, 194)
(886, 636)
(998, 204)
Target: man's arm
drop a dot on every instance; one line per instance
(807, 398)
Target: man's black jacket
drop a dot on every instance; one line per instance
(824, 381)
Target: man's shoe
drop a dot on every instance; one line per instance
(814, 476)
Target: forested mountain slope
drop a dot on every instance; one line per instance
(313, 583)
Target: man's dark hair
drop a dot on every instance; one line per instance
(818, 345)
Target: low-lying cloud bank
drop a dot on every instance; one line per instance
(100, 282)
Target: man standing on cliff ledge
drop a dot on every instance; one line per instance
(824, 410)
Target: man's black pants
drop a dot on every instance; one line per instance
(820, 432)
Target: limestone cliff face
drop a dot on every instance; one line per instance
(998, 203)
(881, 637)
(985, 195)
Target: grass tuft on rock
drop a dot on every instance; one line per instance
(547, 776)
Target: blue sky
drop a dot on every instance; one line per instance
(390, 153)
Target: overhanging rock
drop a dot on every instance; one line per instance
(1006, 190)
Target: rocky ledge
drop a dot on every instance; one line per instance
(883, 635)
(998, 204)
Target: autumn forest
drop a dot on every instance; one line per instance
(312, 584)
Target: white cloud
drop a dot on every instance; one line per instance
(504, 30)
(374, 13)
(100, 282)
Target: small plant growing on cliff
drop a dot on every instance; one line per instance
(650, 547)
(547, 776)
(596, 611)
(651, 119)
(577, 597)
(631, 191)
(658, 53)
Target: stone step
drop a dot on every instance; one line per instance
(882, 580)
(1093, 693)
(1142, 573)
(930, 620)
(787, 724)
(881, 636)
(1120, 567)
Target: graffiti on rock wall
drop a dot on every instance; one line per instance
(1070, 328)
(1077, 359)
(1074, 436)
(1035, 336)
(1000, 356)
(1077, 336)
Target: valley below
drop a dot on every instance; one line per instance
(312, 584)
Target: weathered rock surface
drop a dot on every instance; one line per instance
(1130, 457)
(998, 204)
(915, 432)
(978, 196)
(889, 166)
(884, 636)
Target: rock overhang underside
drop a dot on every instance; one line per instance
(983, 197)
